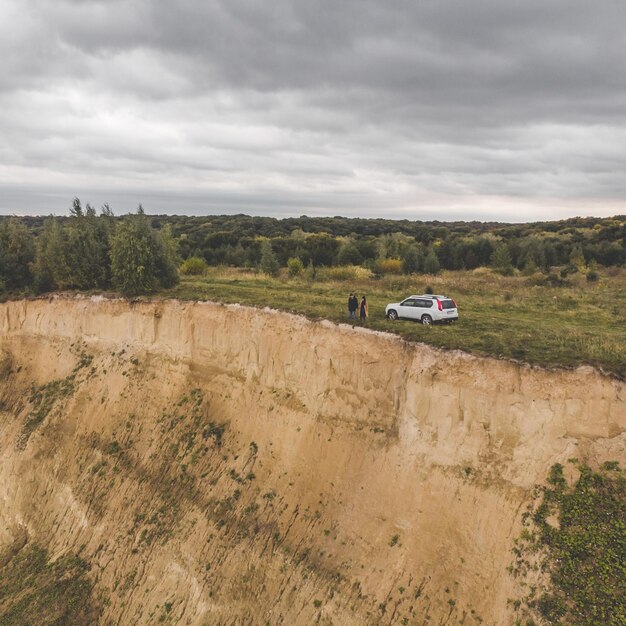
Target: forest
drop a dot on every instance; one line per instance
(138, 253)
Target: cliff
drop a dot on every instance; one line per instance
(224, 465)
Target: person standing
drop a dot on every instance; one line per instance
(353, 305)
(363, 312)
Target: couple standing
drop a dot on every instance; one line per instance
(353, 305)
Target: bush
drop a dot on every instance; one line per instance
(593, 276)
(567, 270)
(295, 266)
(194, 266)
(552, 280)
(390, 266)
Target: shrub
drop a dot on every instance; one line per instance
(568, 269)
(295, 266)
(390, 266)
(593, 276)
(552, 280)
(194, 266)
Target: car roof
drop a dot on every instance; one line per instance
(428, 295)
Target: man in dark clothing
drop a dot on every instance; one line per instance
(353, 305)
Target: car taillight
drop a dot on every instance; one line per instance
(439, 306)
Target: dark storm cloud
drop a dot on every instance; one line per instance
(426, 109)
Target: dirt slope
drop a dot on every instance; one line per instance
(223, 465)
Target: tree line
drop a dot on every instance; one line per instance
(138, 253)
(401, 245)
(87, 251)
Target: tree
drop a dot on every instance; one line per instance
(393, 245)
(349, 255)
(167, 258)
(17, 252)
(76, 209)
(501, 260)
(532, 254)
(413, 261)
(296, 267)
(577, 257)
(431, 262)
(269, 263)
(134, 256)
(50, 268)
(322, 248)
(87, 249)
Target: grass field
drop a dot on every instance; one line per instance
(515, 317)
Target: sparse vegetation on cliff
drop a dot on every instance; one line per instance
(36, 590)
(575, 538)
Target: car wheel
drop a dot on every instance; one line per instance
(392, 315)
(427, 320)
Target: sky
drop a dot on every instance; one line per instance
(413, 109)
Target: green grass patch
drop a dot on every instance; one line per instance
(36, 591)
(516, 317)
(43, 399)
(576, 535)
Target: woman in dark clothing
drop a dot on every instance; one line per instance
(363, 309)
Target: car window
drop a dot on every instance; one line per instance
(425, 304)
(409, 302)
(448, 304)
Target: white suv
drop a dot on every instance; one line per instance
(425, 309)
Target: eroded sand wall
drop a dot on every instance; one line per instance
(361, 479)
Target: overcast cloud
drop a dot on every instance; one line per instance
(420, 109)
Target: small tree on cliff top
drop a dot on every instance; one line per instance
(269, 263)
(141, 259)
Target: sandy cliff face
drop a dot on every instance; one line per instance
(224, 465)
